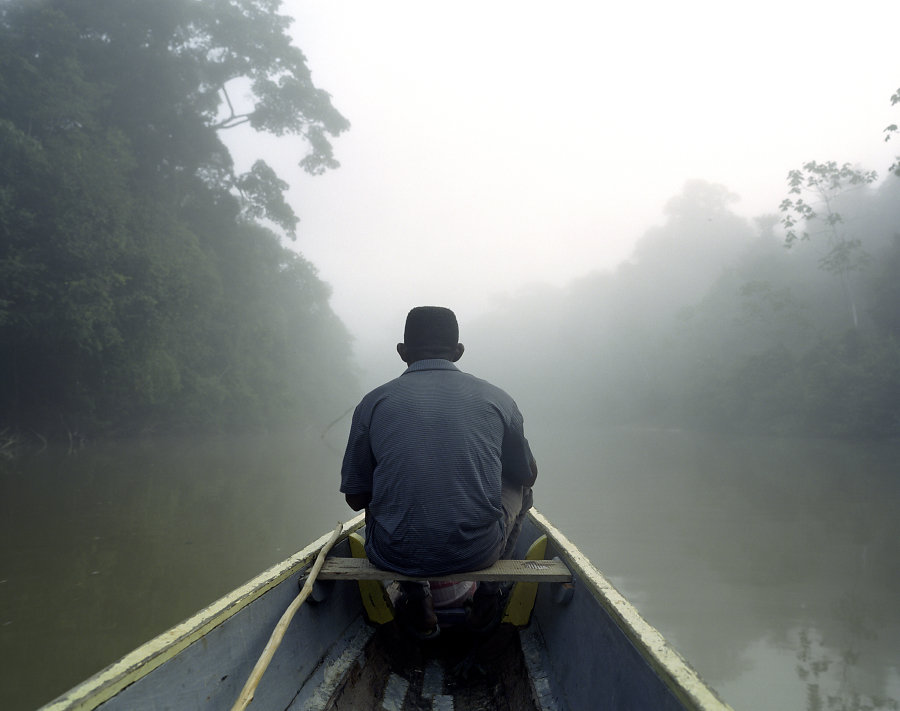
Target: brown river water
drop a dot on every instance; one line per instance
(772, 565)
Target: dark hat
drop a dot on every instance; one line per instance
(430, 326)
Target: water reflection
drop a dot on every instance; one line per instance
(834, 674)
(731, 545)
(104, 550)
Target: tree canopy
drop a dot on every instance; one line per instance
(140, 288)
(714, 325)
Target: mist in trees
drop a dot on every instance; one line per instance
(714, 324)
(143, 284)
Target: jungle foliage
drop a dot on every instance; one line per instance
(143, 287)
(720, 323)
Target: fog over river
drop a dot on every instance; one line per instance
(770, 564)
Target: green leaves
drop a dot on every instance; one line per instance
(825, 185)
(263, 194)
(137, 289)
(890, 131)
(247, 40)
(822, 183)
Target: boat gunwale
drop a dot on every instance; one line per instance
(678, 676)
(140, 662)
(681, 679)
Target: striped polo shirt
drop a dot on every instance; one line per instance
(432, 447)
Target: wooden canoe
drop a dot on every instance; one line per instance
(585, 647)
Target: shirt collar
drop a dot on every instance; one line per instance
(430, 364)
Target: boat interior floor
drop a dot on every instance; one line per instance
(458, 671)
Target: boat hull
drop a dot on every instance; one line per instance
(597, 649)
(203, 662)
(586, 647)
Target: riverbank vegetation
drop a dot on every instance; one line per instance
(787, 324)
(144, 285)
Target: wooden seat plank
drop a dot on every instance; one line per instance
(545, 571)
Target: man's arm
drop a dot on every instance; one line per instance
(358, 502)
(358, 465)
(533, 466)
(518, 464)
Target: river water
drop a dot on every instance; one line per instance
(772, 565)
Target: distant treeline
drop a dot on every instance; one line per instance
(715, 324)
(141, 286)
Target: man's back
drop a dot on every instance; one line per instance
(430, 444)
(440, 462)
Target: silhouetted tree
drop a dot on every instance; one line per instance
(136, 289)
(823, 184)
(890, 131)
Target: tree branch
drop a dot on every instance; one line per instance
(233, 119)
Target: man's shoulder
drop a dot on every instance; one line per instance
(491, 390)
(403, 383)
(373, 396)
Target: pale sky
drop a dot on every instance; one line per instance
(499, 144)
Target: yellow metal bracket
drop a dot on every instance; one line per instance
(374, 597)
(521, 599)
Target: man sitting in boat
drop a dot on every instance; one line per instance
(439, 460)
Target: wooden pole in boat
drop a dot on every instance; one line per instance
(278, 633)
